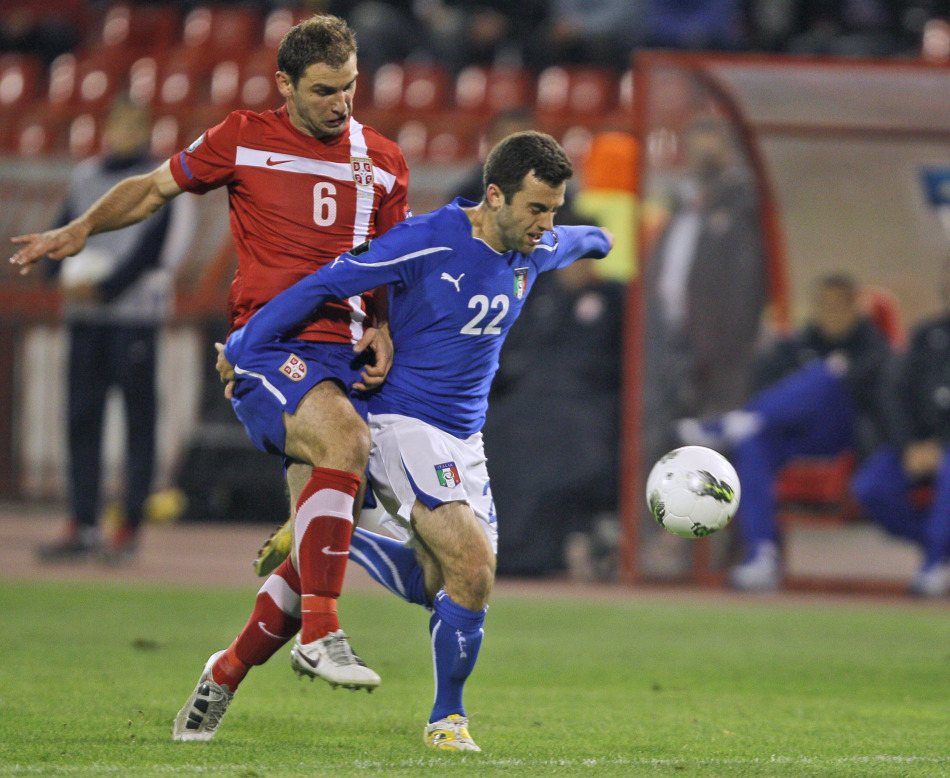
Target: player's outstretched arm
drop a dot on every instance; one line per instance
(346, 276)
(128, 202)
(578, 242)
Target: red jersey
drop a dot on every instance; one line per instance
(296, 203)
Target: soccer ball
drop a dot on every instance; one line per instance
(693, 491)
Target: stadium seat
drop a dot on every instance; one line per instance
(258, 88)
(132, 30)
(411, 88)
(143, 80)
(588, 91)
(215, 32)
(20, 81)
(445, 139)
(167, 136)
(84, 136)
(182, 80)
(278, 22)
(225, 84)
(61, 87)
(38, 134)
(99, 76)
(480, 89)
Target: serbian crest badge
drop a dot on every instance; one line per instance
(362, 170)
(294, 368)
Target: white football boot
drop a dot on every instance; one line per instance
(203, 711)
(332, 659)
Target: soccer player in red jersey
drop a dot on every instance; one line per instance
(306, 183)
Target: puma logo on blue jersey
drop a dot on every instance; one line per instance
(455, 281)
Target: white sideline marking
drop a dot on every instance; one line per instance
(435, 762)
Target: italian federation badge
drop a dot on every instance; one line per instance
(294, 368)
(521, 281)
(448, 474)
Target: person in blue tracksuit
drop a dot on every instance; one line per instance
(819, 393)
(457, 280)
(918, 414)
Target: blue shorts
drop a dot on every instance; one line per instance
(272, 380)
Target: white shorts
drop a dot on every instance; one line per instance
(410, 460)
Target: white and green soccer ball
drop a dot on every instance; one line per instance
(693, 491)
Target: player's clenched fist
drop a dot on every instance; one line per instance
(56, 244)
(225, 371)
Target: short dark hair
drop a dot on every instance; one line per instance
(322, 38)
(842, 282)
(522, 153)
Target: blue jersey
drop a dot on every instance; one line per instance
(452, 300)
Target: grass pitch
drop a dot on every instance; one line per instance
(91, 677)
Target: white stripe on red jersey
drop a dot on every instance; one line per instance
(296, 203)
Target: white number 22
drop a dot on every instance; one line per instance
(480, 301)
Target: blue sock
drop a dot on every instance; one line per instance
(390, 563)
(456, 637)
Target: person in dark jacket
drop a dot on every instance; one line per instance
(818, 394)
(116, 294)
(918, 433)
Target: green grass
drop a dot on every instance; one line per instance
(92, 675)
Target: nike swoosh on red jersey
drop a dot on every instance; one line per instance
(271, 161)
(326, 550)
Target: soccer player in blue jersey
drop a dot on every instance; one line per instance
(457, 280)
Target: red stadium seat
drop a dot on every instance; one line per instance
(84, 136)
(133, 30)
(167, 136)
(38, 134)
(98, 78)
(20, 80)
(224, 86)
(411, 88)
(258, 87)
(221, 31)
(587, 91)
(182, 81)
(62, 81)
(143, 80)
(278, 22)
(492, 89)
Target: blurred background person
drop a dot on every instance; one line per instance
(116, 295)
(587, 32)
(554, 416)
(705, 290)
(818, 394)
(887, 485)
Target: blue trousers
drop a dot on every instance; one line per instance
(883, 490)
(807, 413)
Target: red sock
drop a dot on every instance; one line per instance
(322, 529)
(274, 621)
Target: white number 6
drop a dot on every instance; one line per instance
(324, 206)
